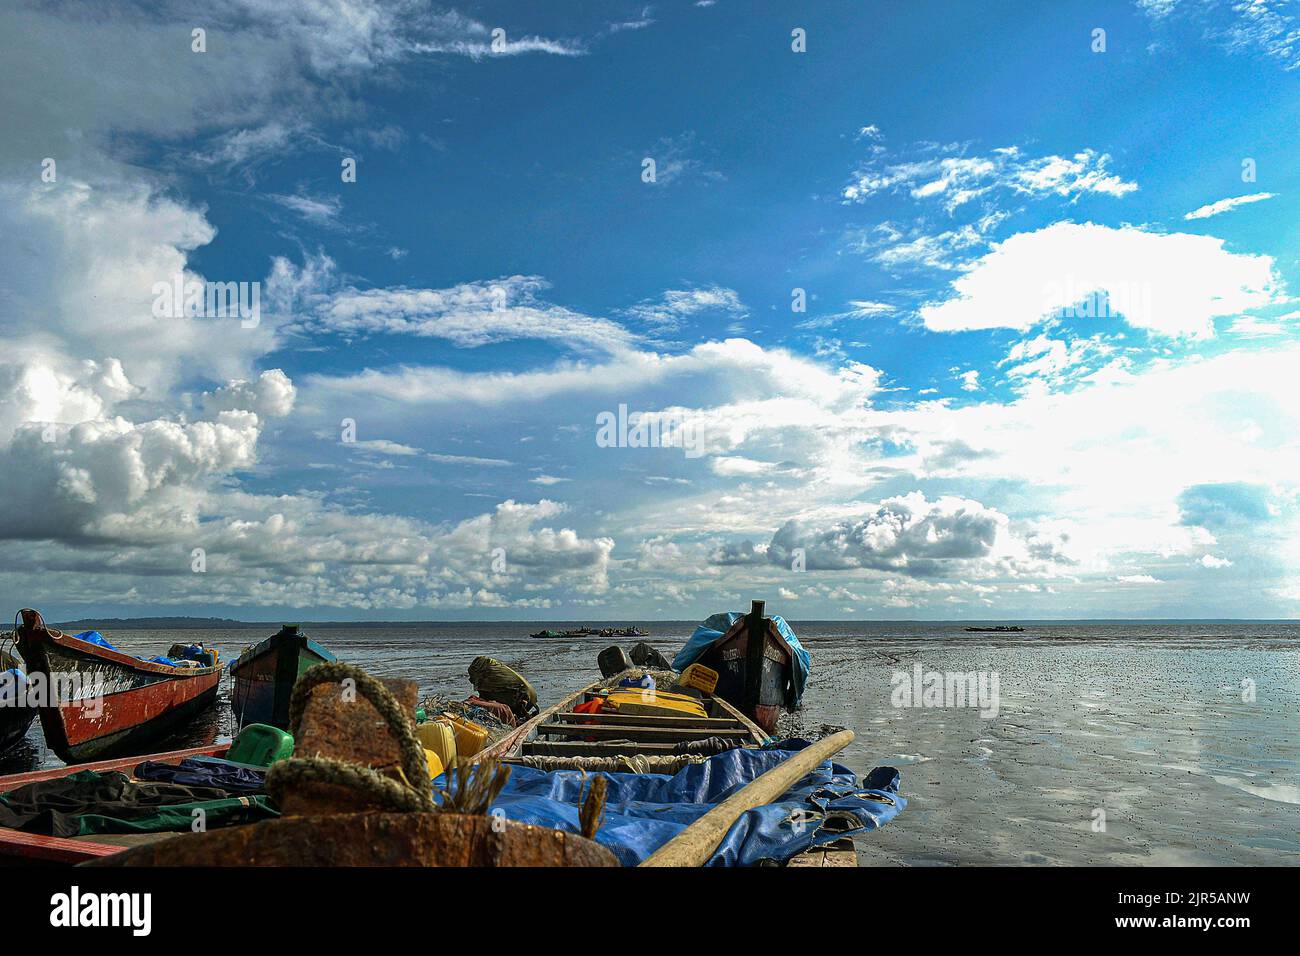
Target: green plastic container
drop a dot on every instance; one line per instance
(260, 745)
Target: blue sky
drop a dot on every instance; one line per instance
(1042, 369)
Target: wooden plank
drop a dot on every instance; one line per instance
(842, 853)
(16, 845)
(726, 707)
(569, 748)
(125, 764)
(510, 741)
(650, 720)
(816, 857)
(838, 854)
(640, 733)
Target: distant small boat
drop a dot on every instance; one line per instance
(265, 673)
(16, 715)
(102, 702)
(999, 629)
(593, 632)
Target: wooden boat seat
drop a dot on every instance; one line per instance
(636, 732)
(599, 748)
(647, 720)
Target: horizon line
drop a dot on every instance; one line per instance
(613, 621)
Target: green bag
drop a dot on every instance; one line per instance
(493, 680)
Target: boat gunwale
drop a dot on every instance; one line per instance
(267, 646)
(40, 636)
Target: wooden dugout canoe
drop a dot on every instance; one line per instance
(264, 676)
(763, 697)
(557, 739)
(103, 703)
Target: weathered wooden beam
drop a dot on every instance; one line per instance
(372, 839)
(571, 748)
(756, 627)
(638, 733)
(838, 854)
(652, 720)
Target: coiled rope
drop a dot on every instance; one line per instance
(411, 795)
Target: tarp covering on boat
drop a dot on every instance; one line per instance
(90, 801)
(94, 637)
(234, 778)
(718, 624)
(99, 640)
(644, 811)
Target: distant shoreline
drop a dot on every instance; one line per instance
(222, 623)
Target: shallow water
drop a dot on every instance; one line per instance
(1112, 743)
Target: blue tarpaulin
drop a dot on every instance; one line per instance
(94, 637)
(718, 625)
(644, 811)
(99, 640)
(13, 686)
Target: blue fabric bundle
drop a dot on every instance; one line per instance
(12, 688)
(645, 811)
(718, 625)
(94, 637)
(205, 772)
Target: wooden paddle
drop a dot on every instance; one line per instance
(697, 842)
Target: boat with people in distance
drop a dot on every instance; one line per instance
(594, 632)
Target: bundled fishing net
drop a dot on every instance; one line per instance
(640, 763)
(663, 679)
(435, 704)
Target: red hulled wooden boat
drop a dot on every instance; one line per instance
(102, 703)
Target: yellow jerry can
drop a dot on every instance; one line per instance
(435, 764)
(470, 737)
(438, 738)
(703, 679)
